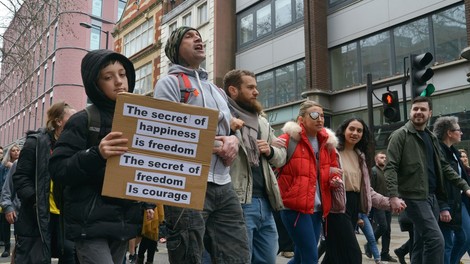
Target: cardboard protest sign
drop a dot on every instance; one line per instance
(170, 148)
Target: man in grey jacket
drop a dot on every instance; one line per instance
(252, 176)
(415, 172)
(220, 226)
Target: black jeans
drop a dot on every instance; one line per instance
(383, 220)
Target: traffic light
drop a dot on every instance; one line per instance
(420, 74)
(391, 106)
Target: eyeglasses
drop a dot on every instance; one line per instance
(457, 129)
(315, 115)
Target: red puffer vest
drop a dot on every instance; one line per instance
(298, 178)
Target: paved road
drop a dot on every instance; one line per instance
(398, 238)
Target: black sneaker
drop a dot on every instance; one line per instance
(401, 255)
(388, 258)
(5, 254)
(367, 251)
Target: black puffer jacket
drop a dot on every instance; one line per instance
(81, 169)
(454, 195)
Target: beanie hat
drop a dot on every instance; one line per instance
(173, 43)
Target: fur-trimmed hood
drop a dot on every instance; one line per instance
(294, 130)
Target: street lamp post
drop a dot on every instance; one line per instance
(86, 25)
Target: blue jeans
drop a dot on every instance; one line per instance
(457, 242)
(261, 231)
(369, 234)
(304, 229)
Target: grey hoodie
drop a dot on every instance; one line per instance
(210, 96)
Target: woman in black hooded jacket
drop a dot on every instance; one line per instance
(100, 226)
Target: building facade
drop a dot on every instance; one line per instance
(42, 52)
(324, 50)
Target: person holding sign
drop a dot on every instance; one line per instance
(220, 226)
(253, 179)
(100, 226)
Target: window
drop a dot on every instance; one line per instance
(299, 9)
(344, 65)
(52, 72)
(283, 11)
(282, 85)
(246, 28)
(55, 37)
(375, 55)
(121, 7)
(263, 20)
(97, 8)
(172, 27)
(442, 33)
(95, 37)
(187, 20)
(202, 14)
(143, 79)
(139, 38)
(450, 35)
(45, 78)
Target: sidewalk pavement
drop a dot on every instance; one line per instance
(398, 238)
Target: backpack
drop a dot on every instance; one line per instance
(94, 125)
(185, 87)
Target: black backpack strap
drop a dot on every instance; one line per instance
(94, 124)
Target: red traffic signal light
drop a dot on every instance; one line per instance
(391, 106)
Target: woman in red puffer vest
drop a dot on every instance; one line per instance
(313, 163)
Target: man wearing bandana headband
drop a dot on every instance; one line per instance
(219, 227)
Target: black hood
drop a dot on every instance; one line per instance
(91, 65)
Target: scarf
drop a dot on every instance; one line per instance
(249, 131)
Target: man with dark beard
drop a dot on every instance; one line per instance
(252, 176)
(415, 171)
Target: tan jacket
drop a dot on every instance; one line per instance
(240, 170)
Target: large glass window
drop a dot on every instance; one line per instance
(202, 14)
(143, 79)
(139, 38)
(450, 33)
(410, 38)
(443, 33)
(283, 11)
(265, 84)
(265, 18)
(263, 21)
(246, 28)
(344, 65)
(375, 55)
(285, 84)
(282, 85)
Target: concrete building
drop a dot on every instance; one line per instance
(43, 48)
